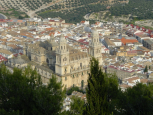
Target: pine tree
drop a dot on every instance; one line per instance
(146, 69)
(100, 91)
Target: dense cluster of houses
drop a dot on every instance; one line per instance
(126, 49)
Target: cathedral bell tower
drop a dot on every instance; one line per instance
(95, 46)
(62, 57)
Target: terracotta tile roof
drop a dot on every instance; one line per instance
(51, 33)
(49, 29)
(97, 23)
(3, 40)
(144, 80)
(15, 55)
(20, 21)
(2, 58)
(81, 40)
(3, 20)
(82, 21)
(125, 41)
(5, 51)
(137, 27)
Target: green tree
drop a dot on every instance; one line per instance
(77, 106)
(20, 17)
(3, 112)
(23, 91)
(101, 92)
(146, 69)
(69, 91)
(136, 101)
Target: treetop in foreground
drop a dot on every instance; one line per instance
(23, 93)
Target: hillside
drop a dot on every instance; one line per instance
(50, 8)
(136, 11)
(74, 10)
(139, 9)
(22, 7)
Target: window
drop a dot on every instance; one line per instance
(65, 59)
(47, 60)
(65, 78)
(81, 65)
(82, 73)
(82, 83)
(73, 76)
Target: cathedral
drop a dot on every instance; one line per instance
(70, 65)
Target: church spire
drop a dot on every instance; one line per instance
(95, 46)
(94, 38)
(52, 38)
(62, 39)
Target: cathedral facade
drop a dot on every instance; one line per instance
(70, 66)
